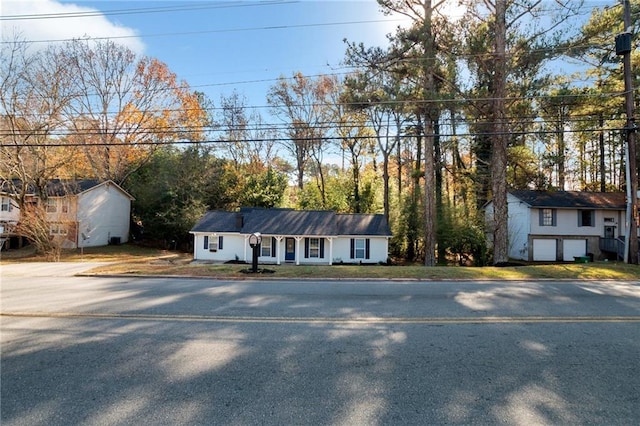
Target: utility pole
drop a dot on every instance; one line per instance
(623, 47)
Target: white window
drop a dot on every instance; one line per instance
(65, 205)
(265, 247)
(547, 218)
(58, 229)
(314, 247)
(360, 248)
(212, 243)
(52, 205)
(5, 205)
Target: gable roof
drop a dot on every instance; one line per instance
(572, 199)
(293, 222)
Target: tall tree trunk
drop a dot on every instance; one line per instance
(438, 190)
(430, 234)
(429, 196)
(499, 157)
(399, 169)
(385, 180)
(561, 153)
(357, 205)
(603, 174)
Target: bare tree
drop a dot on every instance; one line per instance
(34, 90)
(126, 106)
(248, 140)
(301, 104)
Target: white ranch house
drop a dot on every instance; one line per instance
(80, 213)
(292, 236)
(552, 226)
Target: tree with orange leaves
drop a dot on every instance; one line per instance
(126, 107)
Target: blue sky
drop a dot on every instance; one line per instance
(216, 46)
(219, 46)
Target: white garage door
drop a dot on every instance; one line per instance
(544, 250)
(572, 248)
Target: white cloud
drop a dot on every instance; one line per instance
(55, 28)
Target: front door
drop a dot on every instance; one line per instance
(290, 250)
(609, 231)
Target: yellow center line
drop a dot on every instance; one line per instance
(326, 320)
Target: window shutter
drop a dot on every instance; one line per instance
(206, 242)
(367, 248)
(353, 243)
(306, 247)
(321, 248)
(553, 217)
(220, 242)
(273, 246)
(540, 217)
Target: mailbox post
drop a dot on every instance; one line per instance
(254, 241)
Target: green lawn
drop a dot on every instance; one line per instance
(130, 259)
(599, 270)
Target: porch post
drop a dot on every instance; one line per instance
(246, 243)
(278, 251)
(330, 250)
(298, 239)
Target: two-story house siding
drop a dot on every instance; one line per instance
(560, 225)
(80, 213)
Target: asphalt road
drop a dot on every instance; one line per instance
(116, 351)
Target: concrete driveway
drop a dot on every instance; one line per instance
(47, 269)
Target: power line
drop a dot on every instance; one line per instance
(516, 121)
(282, 139)
(145, 10)
(387, 103)
(228, 30)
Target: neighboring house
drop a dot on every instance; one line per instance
(292, 236)
(80, 213)
(561, 225)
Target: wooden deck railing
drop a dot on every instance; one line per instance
(614, 245)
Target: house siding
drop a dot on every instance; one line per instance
(12, 212)
(526, 234)
(378, 249)
(103, 213)
(335, 250)
(280, 226)
(85, 219)
(9, 218)
(519, 227)
(232, 249)
(567, 223)
(61, 216)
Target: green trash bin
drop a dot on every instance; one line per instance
(581, 259)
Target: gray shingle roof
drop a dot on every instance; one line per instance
(362, 224)
(59, 188)
(54, 187)
(293, 222)
(218, 221)
(572, 199)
